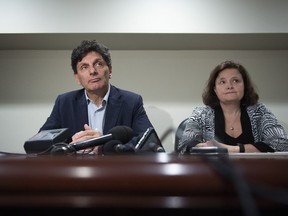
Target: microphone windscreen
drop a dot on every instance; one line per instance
(110, 147)
(121, 133)
(155, 148)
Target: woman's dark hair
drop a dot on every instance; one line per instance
(87, 46)
(209, 96)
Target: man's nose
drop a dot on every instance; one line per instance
(92, 70)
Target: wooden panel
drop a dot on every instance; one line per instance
(156, 182)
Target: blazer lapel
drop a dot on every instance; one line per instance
(112, 110)
(81, 110)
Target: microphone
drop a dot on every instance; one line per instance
(122, 133)
(112, 147)
(208, 150)
(155, 148)
(149, 142)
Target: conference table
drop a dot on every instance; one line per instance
(145, 184)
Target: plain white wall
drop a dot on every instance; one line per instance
(143, 16)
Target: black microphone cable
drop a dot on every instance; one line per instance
(58, 149)
(245, 189)
(220, 162)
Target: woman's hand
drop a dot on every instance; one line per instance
(208, 144)
(230, 148)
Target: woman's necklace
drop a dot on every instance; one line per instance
(232, 128)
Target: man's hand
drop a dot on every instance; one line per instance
(86, 134)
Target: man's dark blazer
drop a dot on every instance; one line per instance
(123, 108)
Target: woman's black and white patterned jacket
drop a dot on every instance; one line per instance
(200, 127)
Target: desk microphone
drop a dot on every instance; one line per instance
(149, 142)
(112, 147)
(208, 150)
(121, 133)
(155, 148)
